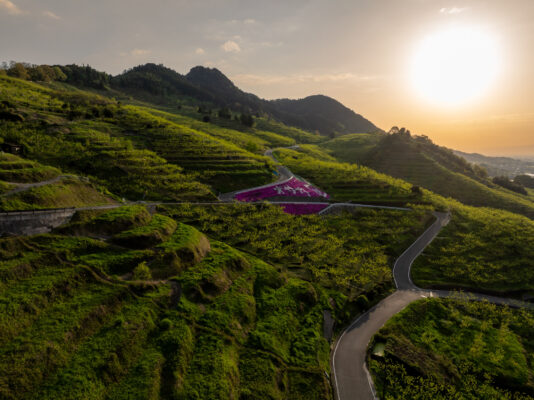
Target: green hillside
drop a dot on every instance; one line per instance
(417, 160)
(168, 314)
(200, 299)
(443, 349)
(433, 168)
(489, 250)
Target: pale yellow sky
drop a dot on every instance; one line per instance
(357, 51)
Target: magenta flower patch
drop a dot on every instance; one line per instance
(291, 188)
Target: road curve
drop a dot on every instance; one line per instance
(350, 375)
(284, 174)
(401, 268)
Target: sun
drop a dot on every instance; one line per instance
(455, 66)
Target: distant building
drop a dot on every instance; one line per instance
(12, 148)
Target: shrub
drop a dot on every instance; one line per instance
(142, 272)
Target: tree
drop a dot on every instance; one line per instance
(224, 113)
(506, 183)
(247, 120)
(18, 70)
(525, 180)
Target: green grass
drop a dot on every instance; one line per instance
(481, 249)
(352, 148)
(351, 253)
(156, 231)
(299, 135)
(443, 349)
(424, 164)
(69, 192)
(18, 170)
(348, 182)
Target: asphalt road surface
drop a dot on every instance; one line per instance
(350, 375)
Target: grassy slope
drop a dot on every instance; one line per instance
(69, 192)
(19, 170)
(353, 148)
(417, 164)
(482, 248)
(348, 182)
(237, 327)
(89, 133)
(486, 249)
(443, 349)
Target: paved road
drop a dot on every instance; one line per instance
(284, 174)
(350, 375)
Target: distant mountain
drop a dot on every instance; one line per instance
(158, 81)
(499, 166)
(315, 113)
(321, 113)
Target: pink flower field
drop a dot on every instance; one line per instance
(292, 188)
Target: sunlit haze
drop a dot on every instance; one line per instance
(455, 66)
(457, 71)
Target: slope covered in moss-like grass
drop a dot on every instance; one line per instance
(67, 192)
(19, 170)
(443, 349)
(348, 182)
(481, 249)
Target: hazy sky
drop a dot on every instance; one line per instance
(357, 51)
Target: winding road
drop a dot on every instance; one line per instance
(350, 375)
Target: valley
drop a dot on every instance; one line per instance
(203, 255)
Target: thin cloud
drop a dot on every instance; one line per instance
(135, 53)
(452, 10)
(139, 52)
(231, 47)
(249, 21)
(10, 7)
(200, 51)
(50, 14)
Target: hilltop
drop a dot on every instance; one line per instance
(153, 287)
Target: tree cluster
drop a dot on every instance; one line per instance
(506, 183)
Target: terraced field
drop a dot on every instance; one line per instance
(218, 162)
(348, 182)
(77, 323)
(19, 170)
(407, 160)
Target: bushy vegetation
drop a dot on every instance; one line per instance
(481, 249)
(19, 170)
(421, 162)
(348, 182)
(228, 325)
(89, 146)
(68, 192)
(444, 349)
(506, 183)
(525, 180)
(351, 252)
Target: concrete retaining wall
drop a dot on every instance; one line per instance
(34, 222)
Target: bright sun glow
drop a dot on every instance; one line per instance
(455, 66)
